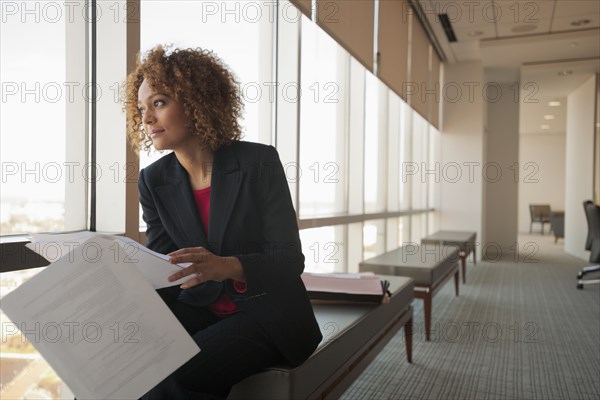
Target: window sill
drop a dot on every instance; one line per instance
(16, 256)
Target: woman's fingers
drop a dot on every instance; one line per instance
(203, 266)
(191, 270)
(192, 282)
(191, 254)
(187, 250)
(198, 260)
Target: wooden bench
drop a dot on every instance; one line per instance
(430, 266)
(464, 241)
(352, 336)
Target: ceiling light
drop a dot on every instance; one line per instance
(548, 116)
(580, 22)
(554, 103)
(565, 72)
(474, 33)
(545, 127)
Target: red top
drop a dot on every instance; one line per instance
(223, 306)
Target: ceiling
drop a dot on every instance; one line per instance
(531, 41)
(550, 82)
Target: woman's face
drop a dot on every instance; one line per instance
(163, 118)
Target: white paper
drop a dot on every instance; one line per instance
(100, 324)
(342, 283)
(154, 266)
(54, 246)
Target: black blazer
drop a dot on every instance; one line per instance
(251, 218)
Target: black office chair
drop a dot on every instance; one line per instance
(557, 224)
(592, 243)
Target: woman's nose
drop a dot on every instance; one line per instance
(148, 117)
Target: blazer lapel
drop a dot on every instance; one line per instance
(178, 200)
(226, 182)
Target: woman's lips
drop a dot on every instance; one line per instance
(156, 133)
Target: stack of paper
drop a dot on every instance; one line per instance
(343, 288)
(95, 317)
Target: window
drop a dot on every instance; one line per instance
(433, 200)
(373, 238)
(322, 123)
(44, 98)
(420, 173)
(239, 33)
(418, 228)
(404, 182)
(323, 249)
(43, 148)
(403, 230)
(376, 129)
(394, 150)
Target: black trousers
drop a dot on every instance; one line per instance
(231, 349)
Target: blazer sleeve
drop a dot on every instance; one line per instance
(281, 258)
(157, 238)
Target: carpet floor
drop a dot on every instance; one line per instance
(519, 330)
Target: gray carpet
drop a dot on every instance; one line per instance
(518, 330)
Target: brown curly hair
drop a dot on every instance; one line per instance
(197, 79)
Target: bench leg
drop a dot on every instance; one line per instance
(427, 312)
(408, 337)
(463, 260)
(456, 282)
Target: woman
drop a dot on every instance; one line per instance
(224, 206)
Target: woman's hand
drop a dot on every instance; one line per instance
(205, 266)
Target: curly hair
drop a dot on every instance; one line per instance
(200, 82)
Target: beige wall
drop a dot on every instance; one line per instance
(500, 186)
(579, 165)
(542, 175)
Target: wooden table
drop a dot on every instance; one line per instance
(464, 241)
(430, 268)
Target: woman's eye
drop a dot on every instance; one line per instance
(159, 103)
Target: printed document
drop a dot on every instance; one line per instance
(154, 266)
(100, 323)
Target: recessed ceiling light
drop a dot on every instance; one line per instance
(545, 127)
(524, 28)
(580, 22)
(565, 72)
(554, 103)
(474, 33)
(548, 116)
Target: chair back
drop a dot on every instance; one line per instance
(592, 213)
(557, 222)
(588, 240)
(539, 212)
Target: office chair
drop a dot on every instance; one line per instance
(539, 213)
(592, 243)
(557, 224)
